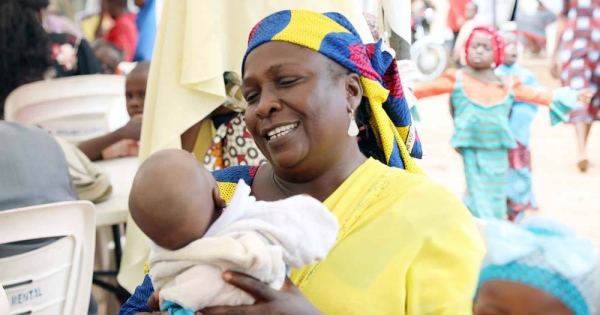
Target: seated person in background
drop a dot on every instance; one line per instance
(31, 52)
(123, 141)
(110, 56)
(124, 33)
(536, 267)
(194, 240)
(33, 171)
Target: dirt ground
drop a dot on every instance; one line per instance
(562, 191)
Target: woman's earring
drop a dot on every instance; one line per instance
(353, 128)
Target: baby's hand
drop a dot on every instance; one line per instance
(152, 302)
(585, 96)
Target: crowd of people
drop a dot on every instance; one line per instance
(307, 198)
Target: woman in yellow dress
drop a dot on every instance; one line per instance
(328, 114)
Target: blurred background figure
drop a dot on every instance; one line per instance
(147, 24)
(458, 52)
(110, 56)
(123, 33)
(532, 20)
(576, 60)
(29, 53)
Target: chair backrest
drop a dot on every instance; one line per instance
(74, 108)
(4, 308)
(57, 277)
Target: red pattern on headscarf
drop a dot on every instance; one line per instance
(496, 39)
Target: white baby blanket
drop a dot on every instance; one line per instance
(253, 237)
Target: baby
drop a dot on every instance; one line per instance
(175, 201)
(539, 267)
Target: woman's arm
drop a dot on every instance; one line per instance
(560, 29)
(443, 275)
(137, 303)
(444, 84)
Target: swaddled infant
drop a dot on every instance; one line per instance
(175, 201)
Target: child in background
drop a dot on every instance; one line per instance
(195, 240)
(520, 191)
(458, 52)
(124, 33)
(481, 104)
(123, 141)
(147, 20)
(110, 57)
(536, 267)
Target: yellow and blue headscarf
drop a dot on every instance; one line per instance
(332, 35)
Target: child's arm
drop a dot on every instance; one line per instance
(444, 84)
(529, 94)
(560, 100)
(93, 148)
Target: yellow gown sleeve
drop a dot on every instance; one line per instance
(444, 84)
(443, 275)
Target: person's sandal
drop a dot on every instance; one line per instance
(583, 165)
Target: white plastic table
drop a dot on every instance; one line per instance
(114, 212)
(115, 209)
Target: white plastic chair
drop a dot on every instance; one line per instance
(75, 108)
(56, 278)
(4, 308)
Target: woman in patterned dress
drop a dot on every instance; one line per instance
(578, 51)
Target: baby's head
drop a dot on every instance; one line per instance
(174, 199)
(539, 267)
(135, 88)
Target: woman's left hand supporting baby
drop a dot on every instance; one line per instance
(288, 300)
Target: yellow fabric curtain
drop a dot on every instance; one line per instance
(197, 41)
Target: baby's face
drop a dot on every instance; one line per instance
(202, 211)
(512, 298)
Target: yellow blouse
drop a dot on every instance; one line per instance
(406, 246)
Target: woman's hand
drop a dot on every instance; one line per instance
(585, 96)
(289, 300)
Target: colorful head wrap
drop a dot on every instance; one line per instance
(496, 39)
(545, 255)
(332, 35)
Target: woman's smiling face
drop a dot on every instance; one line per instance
(297, 109)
